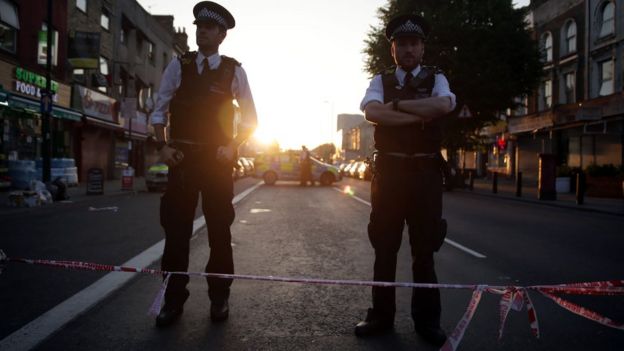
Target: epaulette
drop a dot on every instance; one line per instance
(233, 60)
(188, 57)
(434, 69)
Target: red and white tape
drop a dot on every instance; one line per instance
(513, 297)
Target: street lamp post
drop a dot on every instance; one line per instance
(46, 103)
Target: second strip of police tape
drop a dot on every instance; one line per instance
(513, 297)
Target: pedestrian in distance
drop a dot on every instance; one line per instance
(305, 173)
(197, 90)
(406, 104)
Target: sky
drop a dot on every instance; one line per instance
(303, 59)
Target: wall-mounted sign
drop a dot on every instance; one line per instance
(42, 49)
(95, 104)
(32, 84)
(84, 49)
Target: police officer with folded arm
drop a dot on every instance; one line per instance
(195, 103)
(406, 104)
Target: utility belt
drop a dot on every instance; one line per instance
(188, 146)
(402, 162)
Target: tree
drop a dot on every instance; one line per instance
(485, 49)
(325, 151)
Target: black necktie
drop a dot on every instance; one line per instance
(206, 66)
(408, 79)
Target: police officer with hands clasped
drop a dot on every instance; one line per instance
(406, 104)
(195, 97)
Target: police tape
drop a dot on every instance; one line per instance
(513, 297)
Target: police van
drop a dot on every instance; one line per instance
(272, 167)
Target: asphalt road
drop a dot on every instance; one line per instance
(287, 230)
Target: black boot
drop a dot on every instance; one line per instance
(168, 315)
(219, 311)
(373, 325)
(431, 333)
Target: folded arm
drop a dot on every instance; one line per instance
(429, 108)
(384, 115)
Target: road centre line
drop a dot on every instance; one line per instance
(447, 240)
(37, 330)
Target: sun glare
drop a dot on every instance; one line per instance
(264, 135)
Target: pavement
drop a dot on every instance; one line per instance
(79, 193)
(506, 189)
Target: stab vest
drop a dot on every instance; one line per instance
(412, 138)
(201, 109)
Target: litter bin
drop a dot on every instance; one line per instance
(546, 186)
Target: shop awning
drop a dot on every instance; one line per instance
(104, 124)
(31, 105)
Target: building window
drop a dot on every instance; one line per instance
(606, 78)
(150, 52)
(105, 20)
(569, 88)
(122, 36)
(103, 65)
(9, 25)
(522, 104)
(570, 37)
(354, 139)
(545, 100)
(607, 16)
(139, 39)
(42, 48)
(547, 46)
(79, 75)
(82, 5)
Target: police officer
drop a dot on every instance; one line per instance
(406, 104)
(197, 90)
(305, 164)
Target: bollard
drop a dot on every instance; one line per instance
(519, 184)
(471, 180)
(495, 182)
(580, 188)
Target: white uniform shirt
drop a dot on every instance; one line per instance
(172, 78)
(375, 90)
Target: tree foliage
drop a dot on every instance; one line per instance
(485, 49)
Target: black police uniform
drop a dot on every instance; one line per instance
(406, 190)
(200, 111)
(201, 121)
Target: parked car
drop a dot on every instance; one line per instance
(348, 168)
(156, 177)
(248, 166)
(353, 171)
(285, 166)
(364, 172)
(343, 166)
(238, 171)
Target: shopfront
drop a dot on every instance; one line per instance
(533, 136)
(20, 116)
(99, 132)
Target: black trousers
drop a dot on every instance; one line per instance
(306, 173)
(403, 193)
(198, 173)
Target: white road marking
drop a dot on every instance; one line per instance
(449, 241)
(39, 329)
(463, 248)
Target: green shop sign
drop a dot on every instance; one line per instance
(34, 79)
